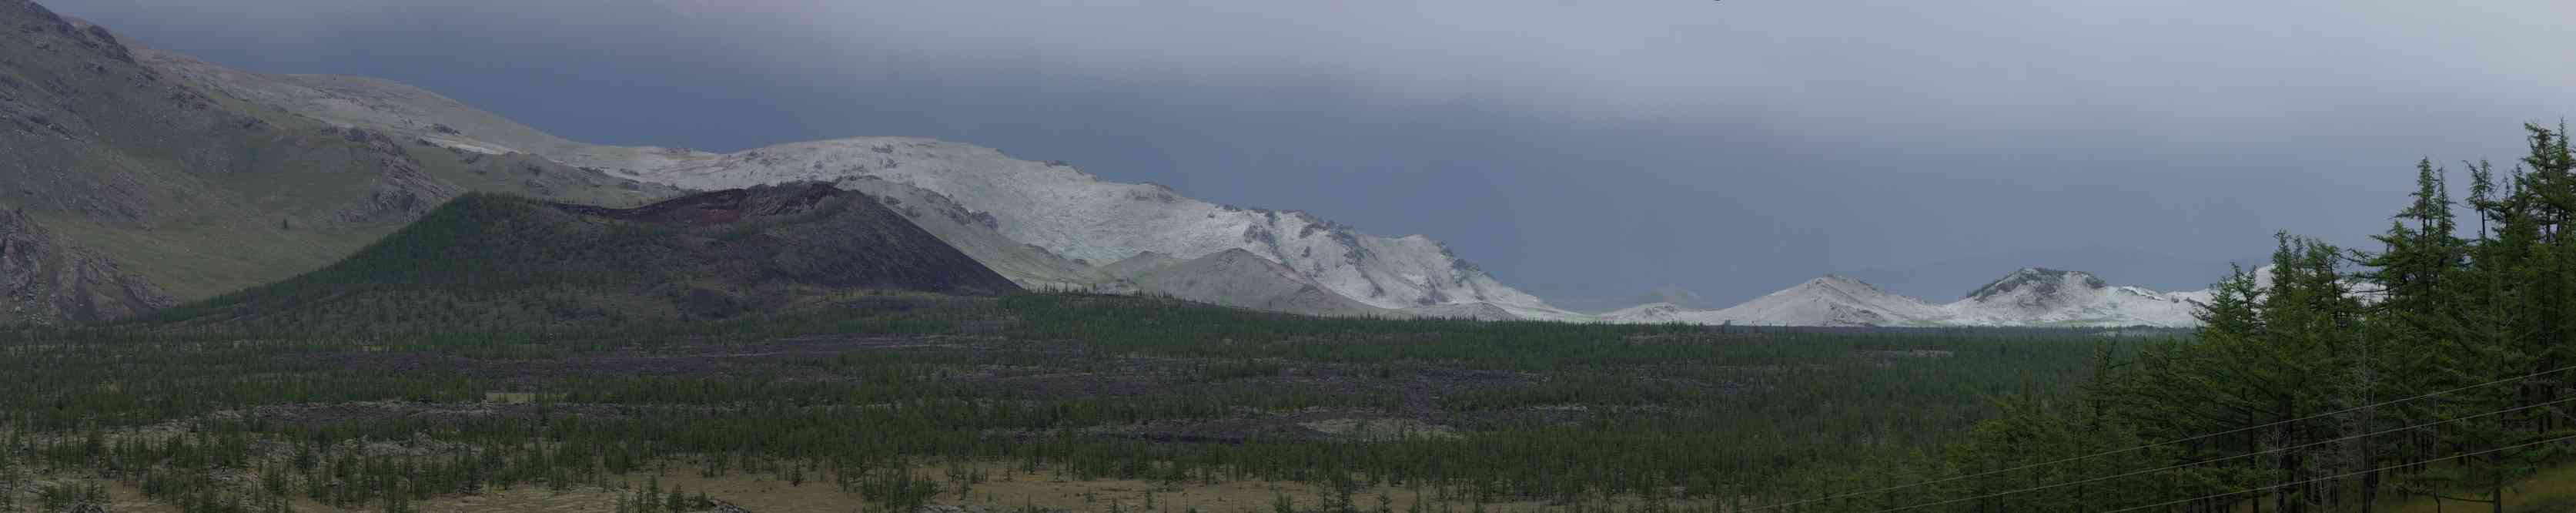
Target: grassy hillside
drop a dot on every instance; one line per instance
(488, 262)
(201, 193)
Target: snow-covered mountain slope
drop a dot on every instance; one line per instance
(1236, 277)
(1673, 294)
(1051, 206)
(1830, 300)
(2026, 297)
(2359, 288)
(1139, 264)
(1825, 301)
(1651, 313)
(388, 106)
(1483, 312)
(973, 233)
(2034, 296)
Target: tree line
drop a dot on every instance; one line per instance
(2434, 366)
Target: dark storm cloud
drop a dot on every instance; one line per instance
(1574, 147)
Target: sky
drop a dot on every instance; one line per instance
(1573, 149)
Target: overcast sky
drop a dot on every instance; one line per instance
(1572, 148)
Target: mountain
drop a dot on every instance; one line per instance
(1081, 217)
(2358, 287)
(1078, 220)
(1667, 294)
(137, 180)
(2146, 268)
(1825, 301)
(206, 179)
(1236, 277)
(2026, 297)
(2035, 296)
(491, 262)
(974, 233)
(1139, 264)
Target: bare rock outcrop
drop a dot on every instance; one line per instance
(48, 280)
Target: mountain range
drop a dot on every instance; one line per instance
(2026, 297)
(1043, 224)
(146, 178)
(2142, 267)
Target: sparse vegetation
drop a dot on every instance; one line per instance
(1082, 387)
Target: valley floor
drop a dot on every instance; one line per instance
(1042, 401)
(1004, 489)
(1060, 401)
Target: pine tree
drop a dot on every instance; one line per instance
(2406, 344)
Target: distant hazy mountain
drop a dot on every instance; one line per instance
(1951, 278)
(1667, 294)
(1825, 301)
(2026, 297)
(2358, 288)
(2049, 297)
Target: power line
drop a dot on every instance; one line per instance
(2152, 445)
(2345, 475)
(2205, 462)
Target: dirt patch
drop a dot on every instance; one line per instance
(1379, 429)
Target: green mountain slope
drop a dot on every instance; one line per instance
(198, 194)
(495, 263)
